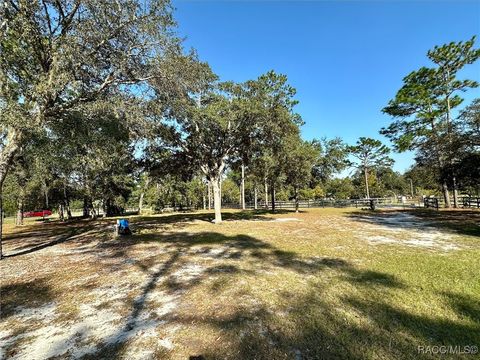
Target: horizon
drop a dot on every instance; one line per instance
(340, 94)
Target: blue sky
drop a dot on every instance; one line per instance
(345, 58)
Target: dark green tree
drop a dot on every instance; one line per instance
(424, 104)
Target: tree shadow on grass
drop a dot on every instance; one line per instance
(32, 239)
(30, 294)
(313, 327)
(182, 219)
(179, 249)
(464, 305)
(320, 331)
(24, 243)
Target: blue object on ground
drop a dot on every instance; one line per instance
(123, 223)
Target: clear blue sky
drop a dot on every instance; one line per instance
(346, 58)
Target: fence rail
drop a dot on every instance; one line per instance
(431, 203)
(471, 202)
(379, 202)
(463, 201)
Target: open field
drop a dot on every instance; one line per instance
(320, 284)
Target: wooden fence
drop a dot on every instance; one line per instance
(322, 203)
(463, 201)
(471, 202)
(430, 203)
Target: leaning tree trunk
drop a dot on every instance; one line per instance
(8, 152)
(217, 199)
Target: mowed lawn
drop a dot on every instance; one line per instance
(320, 284)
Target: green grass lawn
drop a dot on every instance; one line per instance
(320, 284)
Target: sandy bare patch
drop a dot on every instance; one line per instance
(82, 336)
(405, 229)
(188, 272)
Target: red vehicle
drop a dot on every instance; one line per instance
(41, 213)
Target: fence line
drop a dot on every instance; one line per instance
(473, 202)
(320, 203)
(430, 203)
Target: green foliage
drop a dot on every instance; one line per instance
(230, 192)
(332, 158)
(370, 153)
(422, 109)
(340, 188)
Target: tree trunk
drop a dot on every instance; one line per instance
(1, 222)
(93, 212)
(243, 186)
(142, 194)
(366, 182)
(209, 188)
(272, 195)
(449, 132)
(446, 195)
(69, 211)
(8, 152)
(255, 205)
(20, 207)
(140, 202)
(217, 199)
(266, 194)
(455, 193)
(45, 189)
(85, 207)
(296, 199)
(61, 215)
(105, 208)
(66, 201)
(19, 220)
